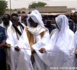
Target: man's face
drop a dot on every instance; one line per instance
(5, 20)
(14, 20)
(48, 23)
(32, 23)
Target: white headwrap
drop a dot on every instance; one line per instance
(60, 49)
(61, 45)
(62, 22)
(61, 38)
(36, 16)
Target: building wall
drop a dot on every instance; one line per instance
(49, 9)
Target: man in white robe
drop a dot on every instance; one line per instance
(62, 46)
(5, 24)
(75, 39)
(35, 35)
(13, 33)
(6, 21)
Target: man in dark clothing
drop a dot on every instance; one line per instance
(72, 25)
(2, 52)
(74, 18)
(49, 25)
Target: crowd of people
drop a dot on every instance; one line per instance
(29, 43)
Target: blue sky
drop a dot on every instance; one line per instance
(25, 3)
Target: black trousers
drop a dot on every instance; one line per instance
(3, 65)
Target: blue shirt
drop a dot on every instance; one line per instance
(50, 28)
(2, 37)
(2, 34)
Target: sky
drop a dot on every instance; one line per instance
(25, 3)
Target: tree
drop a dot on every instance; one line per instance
(3, 6)
(39, 4)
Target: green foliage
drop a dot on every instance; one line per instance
(3, 6)
(39, 4)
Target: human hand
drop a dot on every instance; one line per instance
(42, 50)
(17, 48)
(8, 45)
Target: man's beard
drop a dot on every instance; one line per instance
(6, 23)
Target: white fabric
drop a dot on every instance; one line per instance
(37, 12)
(12, 40)
(62, 46)
(10, 23)
(20, 19)
(36, 16)
(25, 46)
(21, 29)
(24, 43)
(75, 39)
(23, 24)
(25, 51)
(13, 56)
(37, 30)
(38, 56)
(40, 42)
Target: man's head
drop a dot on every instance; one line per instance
(6, 19)
(32, 23)
(48, 23)
(55, 23)
(62, 22)
(34, 19)
(14, 18)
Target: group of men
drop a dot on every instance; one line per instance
(32, 47)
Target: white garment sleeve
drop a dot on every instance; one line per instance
(42, 42)
(9, 37)
(23, 43)
(72, 44)
(75, 38)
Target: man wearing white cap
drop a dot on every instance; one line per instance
(61, 46)
(34, 37)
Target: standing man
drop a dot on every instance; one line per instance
(49, 25)
(34, 37)
(74, 18)
(14, 32)
(62, 45)
(5, 23)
